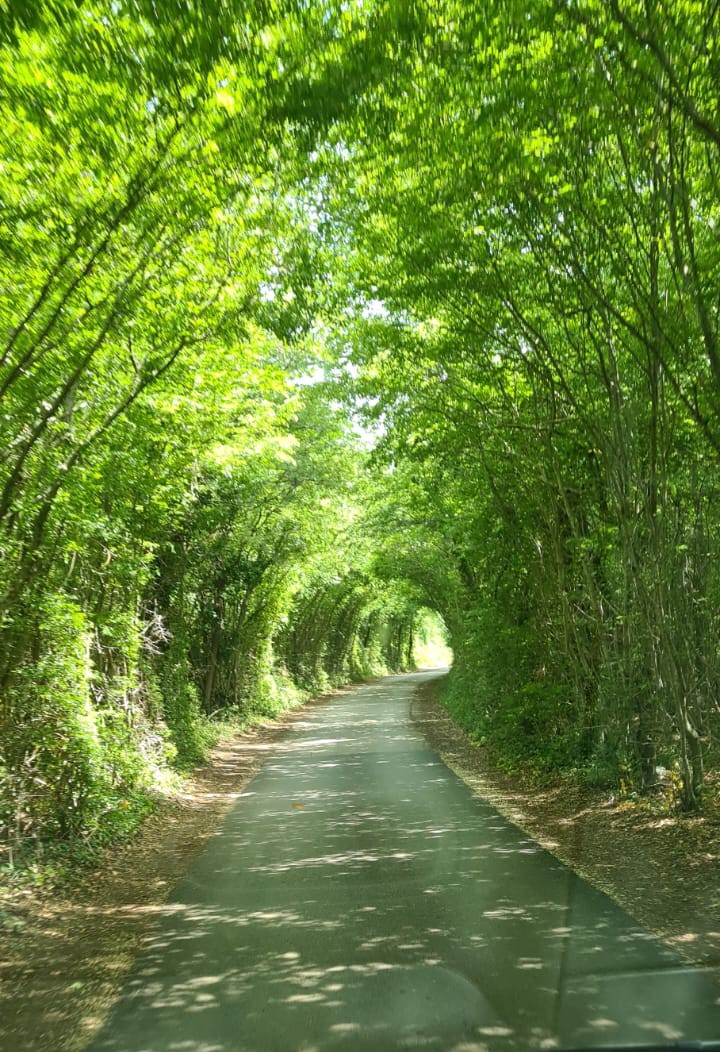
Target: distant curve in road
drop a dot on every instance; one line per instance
(359, 896)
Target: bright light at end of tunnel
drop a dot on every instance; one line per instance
(431, 648)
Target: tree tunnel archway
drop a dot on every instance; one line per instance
(431, 648)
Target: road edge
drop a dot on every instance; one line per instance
(637, 871)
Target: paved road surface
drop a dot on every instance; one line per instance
(359, 897)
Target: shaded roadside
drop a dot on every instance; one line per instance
(66, 952)
(662, 870)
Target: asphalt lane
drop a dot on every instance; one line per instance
(359, 897)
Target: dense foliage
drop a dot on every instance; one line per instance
(533, 220)
(495, 226)
(170, 491)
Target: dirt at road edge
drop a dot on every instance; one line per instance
(64, 958)
(663, 870)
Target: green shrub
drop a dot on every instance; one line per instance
(53, 761)
(181, 708)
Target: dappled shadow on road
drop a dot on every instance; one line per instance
(358, 897)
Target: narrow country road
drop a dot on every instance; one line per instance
(360, 897)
